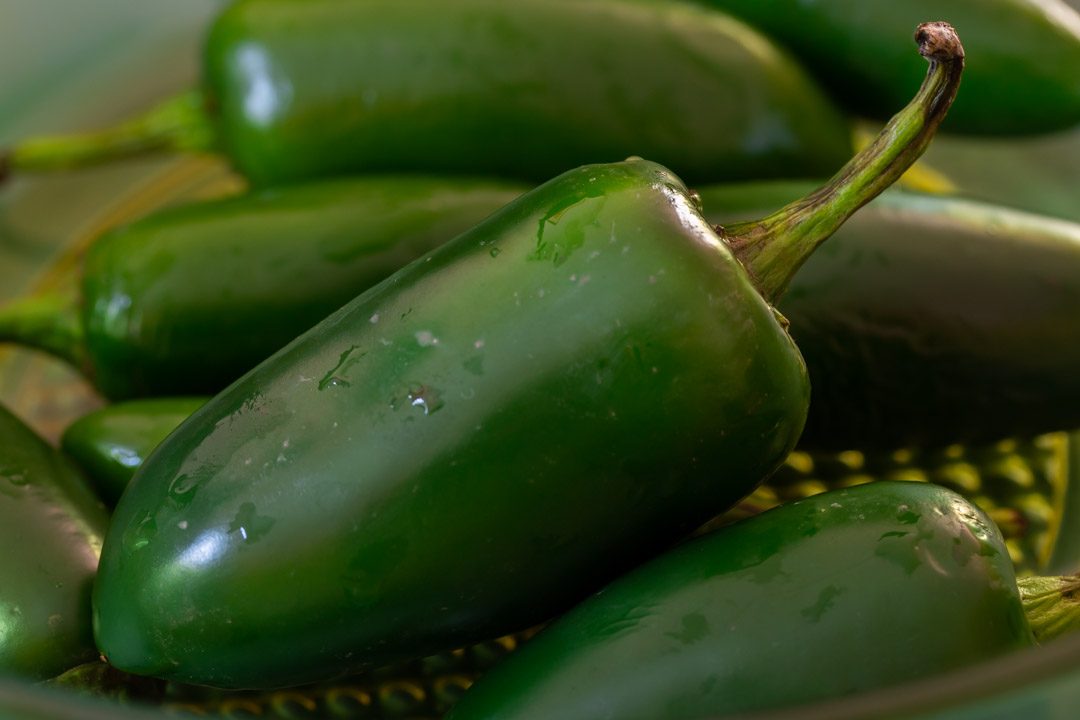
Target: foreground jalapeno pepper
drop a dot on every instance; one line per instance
(830, 596)
(310, 88)
(51, 528)
(469, 446)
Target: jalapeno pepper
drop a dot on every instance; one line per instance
(1023, 76)
(111, 443)
(825, 597)
(160, 296)
(465, 448)
(51, 528)
(975, 306)
(295, 90)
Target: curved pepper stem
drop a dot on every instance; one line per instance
(178, 124)
(1052, 605)
(46, 322)
(774, 248)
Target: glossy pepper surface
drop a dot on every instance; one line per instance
(51, 528)
(1024, 71)
(111, 443)
(931, 320)
(824, 597)
(393, 428)
(161, 295)
(301, 89)
(466, 448)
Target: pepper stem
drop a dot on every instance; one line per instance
(1052, 605)
(179, 124)
(774, 248)
(47, 322)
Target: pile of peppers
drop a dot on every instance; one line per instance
(551, 366)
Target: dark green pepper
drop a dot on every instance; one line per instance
(1024, 70)
(225, 279)
(825, 597)
(302, 89)
(111, 443)
(51, 528)
(472, 444)
(960, 324)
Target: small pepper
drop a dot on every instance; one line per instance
(111, 443)
(471, 445)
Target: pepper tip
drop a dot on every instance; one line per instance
(938, 41)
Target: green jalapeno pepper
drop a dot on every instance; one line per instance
(296, 90)
(1023, 75)
(51, 528)
(229, 279)
(830, 596)
(972, 305)
(111, 443)
(467, 447)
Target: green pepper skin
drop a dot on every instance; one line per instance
(1023, 69)
(51, 528)
(931, 320)
(365, 495)
(111, 443)
(522, 89)
(824, 597)
(163, 295)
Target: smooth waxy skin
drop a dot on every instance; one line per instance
(465, 449)
(164, 294)
(51, 528)
(523, 89)
(111, 443)
(824, 597)
(1023, 73)
(930, 320)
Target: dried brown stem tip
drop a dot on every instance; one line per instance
(938, 41)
